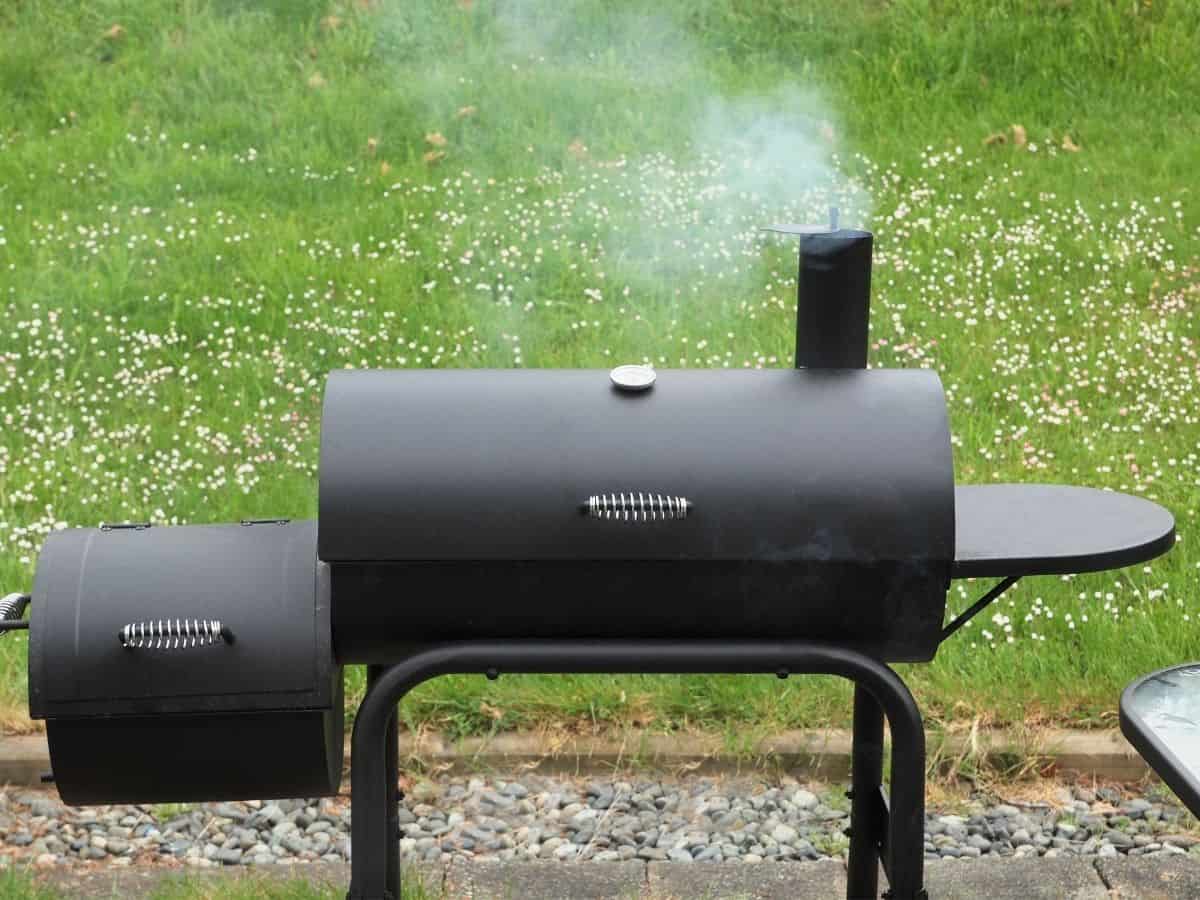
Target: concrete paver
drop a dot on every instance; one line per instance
(1068, 878)
(824, 880)
(496, 880)
(1172, 878)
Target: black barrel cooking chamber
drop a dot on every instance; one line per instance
(547, 504)
(796, 520)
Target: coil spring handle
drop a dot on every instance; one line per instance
(174, 634)
(636, 506)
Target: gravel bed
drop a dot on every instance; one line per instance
(534, 817)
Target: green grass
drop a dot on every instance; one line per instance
(19, 885)
(173, 298)
(16, 886)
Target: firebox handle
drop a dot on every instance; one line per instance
(12, 609)
(978, 606)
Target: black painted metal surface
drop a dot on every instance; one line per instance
(190, 758)
(1054, 529)
(894, 837)
(455, 504)
(834, 300)
(168, 660)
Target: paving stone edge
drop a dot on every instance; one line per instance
(1170, 879)
(816, 754)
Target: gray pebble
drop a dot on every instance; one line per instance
(784, 834)
(803, 799)
(1118, 838)
(560, 818)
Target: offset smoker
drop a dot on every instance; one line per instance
(781, 522)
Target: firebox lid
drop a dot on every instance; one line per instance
(260, 581)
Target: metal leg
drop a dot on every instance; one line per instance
(867, 830)
(392, 793)
(374, 778)
(392, 760)
(905, 851)
(374, 844)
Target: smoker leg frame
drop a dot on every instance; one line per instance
(895, 836)
(867, 837)
(392, 795)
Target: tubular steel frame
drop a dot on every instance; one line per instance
(891, 833)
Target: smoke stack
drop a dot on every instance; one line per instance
(833, 295)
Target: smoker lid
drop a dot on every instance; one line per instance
(775, 465)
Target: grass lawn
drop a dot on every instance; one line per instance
(205, 206)
(16, 885)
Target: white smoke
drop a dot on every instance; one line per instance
(605, 87)
(769, 153)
